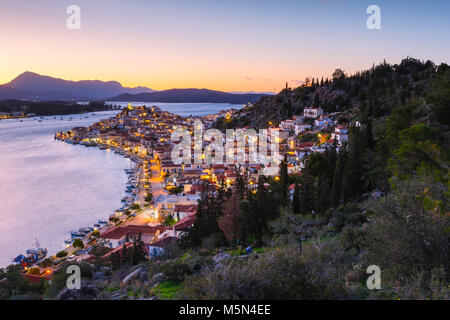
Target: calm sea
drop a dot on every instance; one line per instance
(49, 188)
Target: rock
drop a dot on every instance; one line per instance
(106, 270)
(159, 277)
(98, 276)
(87, 292)
(143, 276)
(220, 257)
(131, 276)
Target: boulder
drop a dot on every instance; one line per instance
(220, 257)
(98, 276)
(131, 276)
(159, 277)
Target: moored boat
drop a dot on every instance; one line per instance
(34, 255)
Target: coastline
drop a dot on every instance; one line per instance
(120, 215)
(33, 188)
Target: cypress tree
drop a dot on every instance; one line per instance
(296, 199)
(284, 181)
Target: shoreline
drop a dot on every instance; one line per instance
(64, 233)
(119, 216)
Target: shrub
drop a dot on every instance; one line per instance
(175, 270)
(95, 233)
(77, 243)
(61, 254)
(280, 273)
(352, 237)
(407, 240)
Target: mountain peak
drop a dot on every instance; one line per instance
(31, 85)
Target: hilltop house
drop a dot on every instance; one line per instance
(340, 134)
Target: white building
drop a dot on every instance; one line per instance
(299, 128)
(340, 134)
(165, 204)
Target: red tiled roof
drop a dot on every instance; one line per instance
(114, 233)
(163, 242)
(130, 230)
(185, 222)
(134, 230)
(185, 208)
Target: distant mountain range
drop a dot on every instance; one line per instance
(33, 86)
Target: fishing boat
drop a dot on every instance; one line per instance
(83, 230)
(34, 255)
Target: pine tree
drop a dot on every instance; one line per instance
(296, 199)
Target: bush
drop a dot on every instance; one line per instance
(175, 270)
(148, 197)
(77, 243)
(406, 239)
(277, 274)
(61, 254)
(196, 262)
(352, 237)
(95, 233)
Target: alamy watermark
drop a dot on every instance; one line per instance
(73, 282)
(374, 281)
(374, 20)
(73, 22)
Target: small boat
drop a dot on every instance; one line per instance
(102, 222)
(83, 230)
(75, 234)
(68, 241)
(97, 225)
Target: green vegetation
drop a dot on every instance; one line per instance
(167, 290)
(135, 206)
(46, 108)
(77, 243)
(176, 190)
(148, 197)
(169, 221)
(61, 254)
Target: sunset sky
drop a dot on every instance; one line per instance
(229, 45)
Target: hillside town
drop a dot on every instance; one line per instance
(163, 196)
